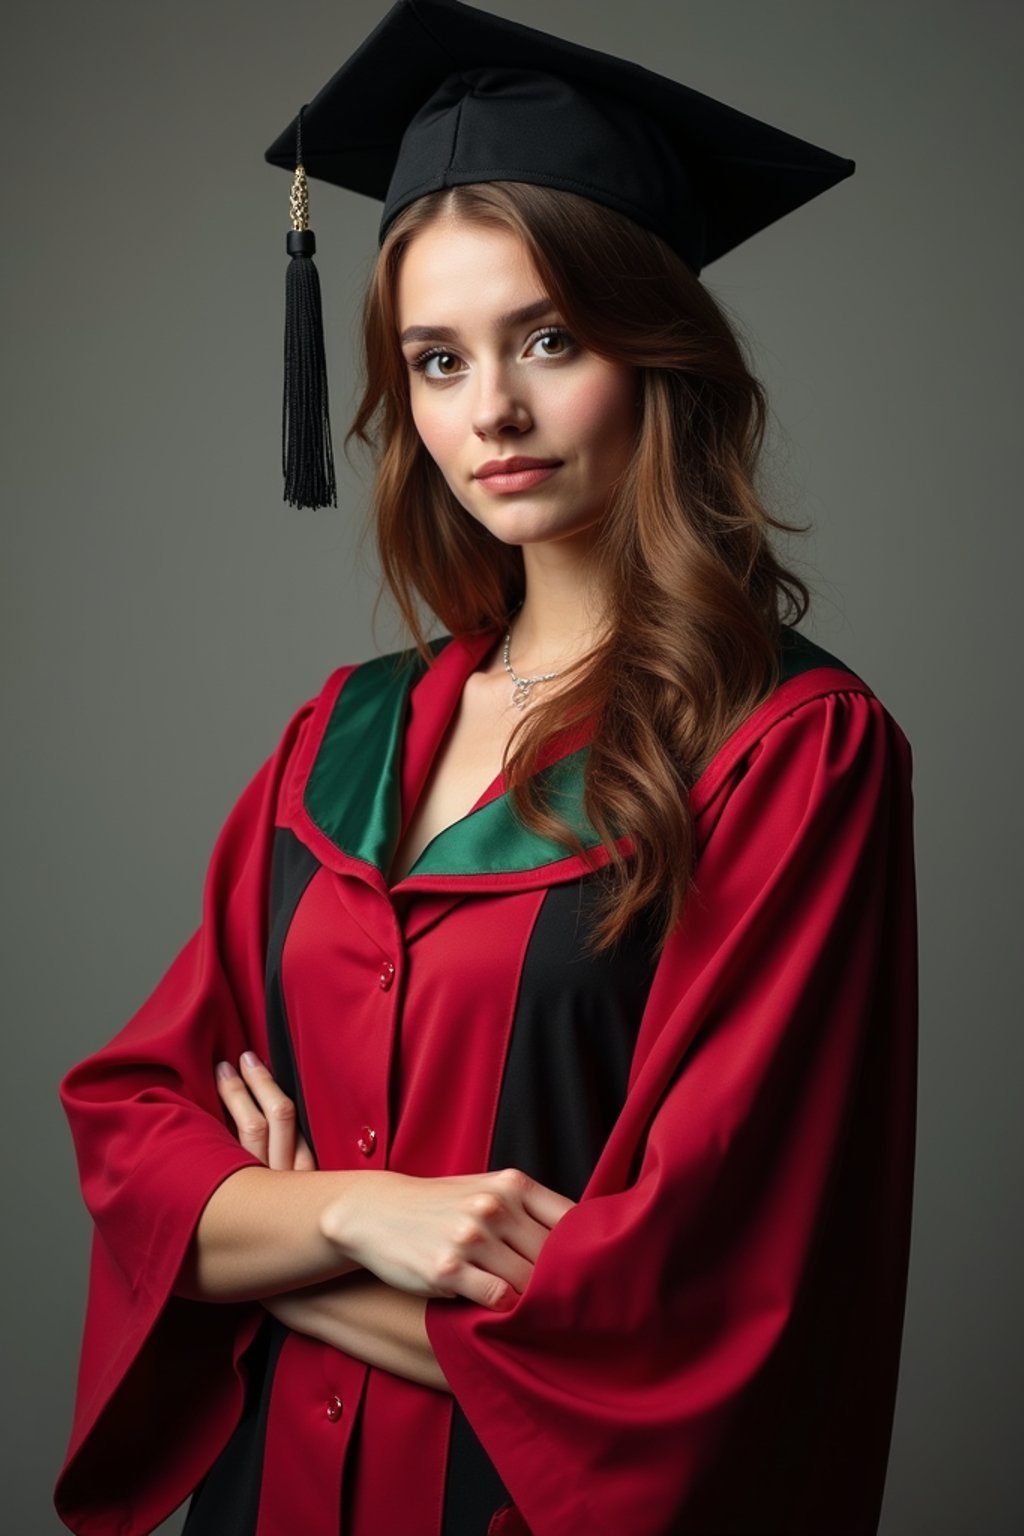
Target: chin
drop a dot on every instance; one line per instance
(531, 525)
(521, 533)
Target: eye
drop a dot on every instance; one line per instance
(554, 341)
(441, 357)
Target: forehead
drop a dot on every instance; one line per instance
(454, 265)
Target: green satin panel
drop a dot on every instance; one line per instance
(490, 841)
(354, 793)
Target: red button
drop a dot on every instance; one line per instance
(387, 975)
(367, 1141)
(334, 1407)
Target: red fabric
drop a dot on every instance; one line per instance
(709, 1341)
(158, 1390)
(712, 1345)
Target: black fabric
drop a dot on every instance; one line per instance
(443, 93)
(576, 1022)
(292, 867)
(500, 124)
(226, 1502)
(473, 1490)
(575, 1027)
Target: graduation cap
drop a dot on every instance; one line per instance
(442, 94)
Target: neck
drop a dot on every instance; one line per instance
(562, 616)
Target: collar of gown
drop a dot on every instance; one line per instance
(373, 734)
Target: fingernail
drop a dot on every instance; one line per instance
(250, 1059)
(225, 1069)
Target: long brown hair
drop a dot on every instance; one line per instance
(695, 592)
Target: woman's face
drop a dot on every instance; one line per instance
(495, 376)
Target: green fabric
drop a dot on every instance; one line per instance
(355, 787)
(354, 793)
(491, 841)
(798, 654)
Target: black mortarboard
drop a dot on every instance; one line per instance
(442, 94)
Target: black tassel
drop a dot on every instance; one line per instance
(307, 458)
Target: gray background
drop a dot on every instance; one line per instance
(163, 613)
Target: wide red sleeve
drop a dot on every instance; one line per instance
(159, 1388)
(709, 1341)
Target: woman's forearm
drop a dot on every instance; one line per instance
(369, 1320)
(259, 1233)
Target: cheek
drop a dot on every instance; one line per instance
(443, 435)
(430, 424)
(602, 411)
(438, 424)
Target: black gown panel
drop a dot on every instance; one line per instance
(576, 1022)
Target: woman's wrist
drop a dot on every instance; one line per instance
(261, 1232)
(333, 1218)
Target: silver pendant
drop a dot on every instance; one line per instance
(520, 695)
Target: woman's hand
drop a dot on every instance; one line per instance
(265, 1121)
(263, 1113)
(257, 1236)
(356, 1313)
(476, 1235)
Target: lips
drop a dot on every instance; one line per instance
(511, 466)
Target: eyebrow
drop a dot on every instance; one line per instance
(528, 312)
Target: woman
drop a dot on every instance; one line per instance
(558, 975)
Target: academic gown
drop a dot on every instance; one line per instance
(709, 1340)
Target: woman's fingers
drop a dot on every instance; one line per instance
(276, 1106)
(250, 1122)
(263, 1113)
(490, 1236)
(472, 1235)
(485, 1270)
(546, 1205)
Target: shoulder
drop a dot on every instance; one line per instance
(822, 720)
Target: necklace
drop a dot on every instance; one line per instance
(521, 691)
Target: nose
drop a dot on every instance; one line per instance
(499, 406)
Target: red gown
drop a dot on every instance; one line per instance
(709, 1340)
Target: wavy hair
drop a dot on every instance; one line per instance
(695, 593)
